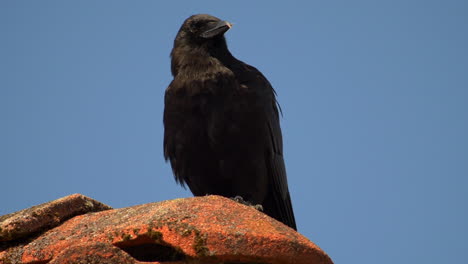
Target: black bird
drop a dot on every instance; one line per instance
(222, 134)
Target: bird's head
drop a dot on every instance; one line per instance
(200, 37)
(202, 29)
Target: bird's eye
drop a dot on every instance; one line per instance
(198, 24)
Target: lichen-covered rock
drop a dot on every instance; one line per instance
(210, 229)
(93, 253)
(47, 215)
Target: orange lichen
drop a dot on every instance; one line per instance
(210, 229)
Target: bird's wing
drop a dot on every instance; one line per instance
(179, 122)
(279, 194)
(184, 120)
(278, 198)
(172, 123)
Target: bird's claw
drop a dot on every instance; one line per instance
(241, 200)
(259, 207)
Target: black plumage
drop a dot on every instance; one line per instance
(222, 134)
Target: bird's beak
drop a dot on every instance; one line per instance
(219, 28)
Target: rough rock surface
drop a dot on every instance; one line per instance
(40, 217)
(210, 229)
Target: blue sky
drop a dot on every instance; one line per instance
(374, 97)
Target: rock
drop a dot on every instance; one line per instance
(210, 229)
(93, 253)
(40, 217)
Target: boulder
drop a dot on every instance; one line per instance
(209, 229)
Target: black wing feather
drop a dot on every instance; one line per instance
(278, 201)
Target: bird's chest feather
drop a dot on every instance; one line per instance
(217, 108)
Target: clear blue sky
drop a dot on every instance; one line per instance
(374, 96)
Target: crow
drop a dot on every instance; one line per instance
(222, 134)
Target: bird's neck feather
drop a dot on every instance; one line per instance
(209, 57)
